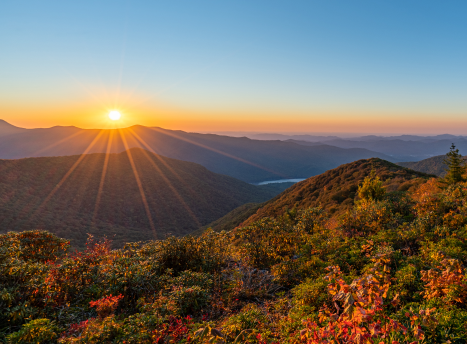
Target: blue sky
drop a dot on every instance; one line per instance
(306, 61)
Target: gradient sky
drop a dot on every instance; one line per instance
(272, 66)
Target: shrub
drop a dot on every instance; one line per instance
(39, 331)
(206, 253)
(191, 279)
(448, 281)
(36, 245)
(312, 293)
(407, 283)
(106, 305)
(249, 318)
(190, 300)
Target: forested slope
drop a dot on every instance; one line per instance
(70, 196)
(335, 190)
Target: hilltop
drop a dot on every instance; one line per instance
(335, 190)
(41, 193)
(239, 157)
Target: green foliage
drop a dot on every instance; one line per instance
(312, 293)
(37, 246)
(372, 188)
(455, 166)
(206, 253)
(38, 331)
(249, 318)
(189, 300)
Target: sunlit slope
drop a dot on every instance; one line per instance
(238, 157)
(335, 190)
(133, 195)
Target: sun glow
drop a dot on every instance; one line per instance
(114, 115)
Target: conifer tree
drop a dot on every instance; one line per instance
(455, 166)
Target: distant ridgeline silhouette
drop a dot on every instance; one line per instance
(239, 157)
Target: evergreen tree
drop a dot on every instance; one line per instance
(455, 166)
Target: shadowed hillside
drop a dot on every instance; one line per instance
(41, 193)
(239, 157)
(434, 165)
(335, 190)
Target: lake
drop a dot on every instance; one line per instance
(281, 181)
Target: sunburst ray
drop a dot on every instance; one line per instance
(138, 182)
(104, 172)
(65, 177)
(167, 181)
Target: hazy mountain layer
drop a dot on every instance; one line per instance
(239, 157)
(71, 195)
(325, 139)
(398, 148)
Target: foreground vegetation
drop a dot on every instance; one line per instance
(391, 269)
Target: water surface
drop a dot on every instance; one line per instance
(281, 181)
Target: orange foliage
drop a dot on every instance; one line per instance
(426, 190)
(106, 305)
(361, 318)
(449, 282)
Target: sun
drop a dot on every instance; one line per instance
(114, 115)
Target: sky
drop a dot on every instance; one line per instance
(381, 67)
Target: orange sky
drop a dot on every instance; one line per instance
(95, 115)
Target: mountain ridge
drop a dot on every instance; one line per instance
(242, 158)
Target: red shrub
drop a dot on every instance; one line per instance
(106, 306)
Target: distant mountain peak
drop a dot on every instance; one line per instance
(8, 129)
(5, 123)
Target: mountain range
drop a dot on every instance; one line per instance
(239, 157)
(399, 148)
